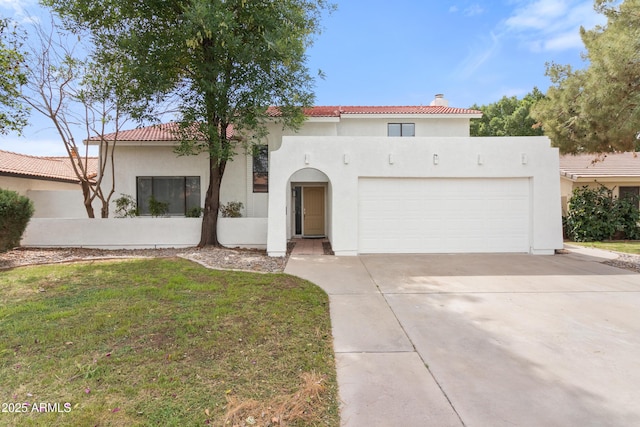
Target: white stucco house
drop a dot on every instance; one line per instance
(405, 179)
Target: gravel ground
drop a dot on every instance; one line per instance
(218, 258)
(626, 261)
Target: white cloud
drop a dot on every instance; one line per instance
(17, 6)
(552, 25)
(20, 9)
(480, 55)
(537, 15)
(568, 40)
(473, 10)
(534, 25)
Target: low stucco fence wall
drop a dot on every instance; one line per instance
(140, 233)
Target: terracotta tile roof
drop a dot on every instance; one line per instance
(163, 132)
(604, 165)
(337, 111)
(168, 132)
(48, 168)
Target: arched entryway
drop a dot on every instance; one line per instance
(309, 205)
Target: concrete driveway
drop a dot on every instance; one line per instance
(482, 340)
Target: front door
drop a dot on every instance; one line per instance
(313, 211)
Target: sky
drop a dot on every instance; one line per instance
(403, 52)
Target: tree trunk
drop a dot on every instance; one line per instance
(86, 194)
(104, 211)
(209, 233)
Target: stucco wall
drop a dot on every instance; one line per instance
(425, 127)
(147, 160)
(432, 126)
(22, 185)
(51, 199)
(345, 159)
(154, 160)
(130, 233)
(60, 204)
(159, 159)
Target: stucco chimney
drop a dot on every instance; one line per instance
(439, 101)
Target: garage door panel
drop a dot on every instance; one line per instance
(443, 215)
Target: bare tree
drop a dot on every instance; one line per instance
(79, 96)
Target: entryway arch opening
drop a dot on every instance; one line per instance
(309, 204)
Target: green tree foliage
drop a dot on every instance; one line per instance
(13, 114)
(508, 117)
(597, 109)
(223, 62)
(595, 215)
(15, 213)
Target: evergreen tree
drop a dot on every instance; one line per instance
(597, 109)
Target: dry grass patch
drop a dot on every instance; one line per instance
(282, 410)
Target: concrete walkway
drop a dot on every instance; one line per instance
(482, 340)
(308, 246)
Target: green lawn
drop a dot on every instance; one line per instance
(630, 247)
(163, 342)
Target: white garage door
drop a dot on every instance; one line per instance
(443, 215)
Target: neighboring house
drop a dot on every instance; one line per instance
(50, 182)
(619, 172)
(371, 179)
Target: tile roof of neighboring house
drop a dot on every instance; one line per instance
(600, 166)
(168, 131)
(47, 168)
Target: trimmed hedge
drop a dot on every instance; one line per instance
(15, 213)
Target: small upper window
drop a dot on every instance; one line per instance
(401, 129)
(261, 169)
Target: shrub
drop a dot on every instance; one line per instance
(158, 208)
(194, 212)
(231, 210)
(627, 215)
(595, 215)
(15, 213)
(126, 207)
